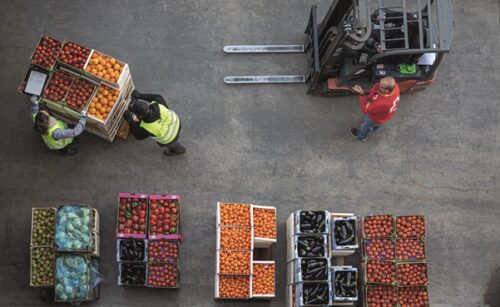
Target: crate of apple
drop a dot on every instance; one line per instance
(164, 275)
(163, 251)
(132, 216)
(164, 217)
(46, 52)
(79, 94)
(74, 55)
(58, 86)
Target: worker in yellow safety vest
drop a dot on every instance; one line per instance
(55, 133)
(149, 116)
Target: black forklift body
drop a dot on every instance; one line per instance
(359, 41)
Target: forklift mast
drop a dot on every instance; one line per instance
(356, 36)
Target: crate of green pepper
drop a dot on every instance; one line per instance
(132, 216)
(42, 267)
(43, 226)
(74, 228)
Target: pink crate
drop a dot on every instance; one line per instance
(173, 236)
(132, 196)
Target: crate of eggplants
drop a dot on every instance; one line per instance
(345, 283)
(312, 269)
(344, 233)
(131, 250)
(312, 222)
(313, 294)
(131, 274)
(311, 246)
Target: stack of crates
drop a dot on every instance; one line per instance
(394, 245)
(243, 232)
(143, 254)
(308, 259)
(51, 245)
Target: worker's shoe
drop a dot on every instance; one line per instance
(354, 133)
(168, 152)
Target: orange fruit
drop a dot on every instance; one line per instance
(99, 67)
(92, 110)
(117, 67)
(93, 71)
(98, 106)
(109, 97)
(112, 61)
(108, 65)
(104, 101)
(106, 76)
(99, 74)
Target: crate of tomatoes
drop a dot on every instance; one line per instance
(132, 215)
(163, 275)
(164, 217)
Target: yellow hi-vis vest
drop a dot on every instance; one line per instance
(53, 143)
(165, 129)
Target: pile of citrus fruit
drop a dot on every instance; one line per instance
(104, 67)
(103, 102)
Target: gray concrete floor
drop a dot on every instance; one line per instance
(270, 145)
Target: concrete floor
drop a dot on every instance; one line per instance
(270, 145)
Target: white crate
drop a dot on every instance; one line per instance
(297, 229)
(264, 242)
(218, 237)
(121, 79)
(339, 269)
(96, 251)
(217, 288)
(264, 296)
(290, 296)
(96, 220)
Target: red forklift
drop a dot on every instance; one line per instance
(361, 41)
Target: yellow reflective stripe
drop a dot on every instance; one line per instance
(172, 128)
(53, 143)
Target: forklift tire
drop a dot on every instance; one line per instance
(335, 93)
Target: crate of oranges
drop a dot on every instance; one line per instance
(232, 287)
(107, 69)
(234, 262)
(233, 214)
(264, 221)
(263, 285)
(234, 238)
(103, 102)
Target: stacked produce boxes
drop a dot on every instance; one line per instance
(315, 239)
(241, 230)
(78, 78)
(148, 237)
(65, 252)
(394, 261)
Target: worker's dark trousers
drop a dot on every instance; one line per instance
(367, 126)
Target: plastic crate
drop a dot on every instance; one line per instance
(118, 249)
(334, 271)
(336, 246)
(298, 230)
(175, 199)
(136, 235)
(299, 294)
(299, 272)
(139, 265)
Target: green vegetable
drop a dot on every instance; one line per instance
(42, 266)
(127, 214)
(43, 227)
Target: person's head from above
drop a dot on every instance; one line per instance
(42, 122)
(387, 85)
(139, 108)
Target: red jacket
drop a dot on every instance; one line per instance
(378, 107)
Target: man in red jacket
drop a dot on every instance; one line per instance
(379, 106)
